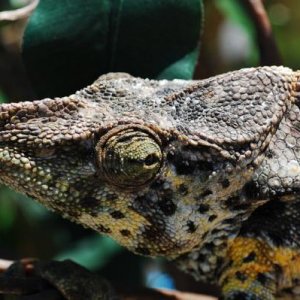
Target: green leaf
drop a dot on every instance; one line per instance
(92, 252)
(3, 97)
(7, 209)
(67, 46)
(19, 3)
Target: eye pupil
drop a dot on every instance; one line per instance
(151, 159)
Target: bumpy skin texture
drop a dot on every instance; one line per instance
(205, 173)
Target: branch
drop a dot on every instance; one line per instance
(21, 13)
(151, 294)
(21, 286)
(5, 264)
(269, 52)
(37, 288)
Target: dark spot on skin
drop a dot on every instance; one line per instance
(261, 278)
(142, 250)
(191, 226)
(125, 232)
(241, 276)
(225, 183)
(269, 153)
(215, 231)
(183, 167)
(151, 233)
(225, 281)
(203, 208)
(232, 201)
(209, 246)
(250, 257)
(166, 205)
(201, 258)
(296, 281)
(204, 235)
(103, 229)
(89, 202)
(111, 196)
(230, 263)
(251, 191)
(168, 208)
(183, 189)
(230, 221)
(157, 184)
(212, 218)
(117, 214)
(234, 204)
(203, 195)
(166, 194)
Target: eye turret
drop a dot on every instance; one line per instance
(129, 157)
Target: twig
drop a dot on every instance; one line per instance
(5, 264)
(21, 286)
(269, 52)
(16, 14)
(36, 288)
(186, 296)
(152, 294)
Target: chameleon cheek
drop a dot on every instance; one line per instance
(129, 157)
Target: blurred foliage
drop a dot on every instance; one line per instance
(28, 230)
(235, 13)
(229, 42)
(3, 97)
(84, 252)
(6, 5)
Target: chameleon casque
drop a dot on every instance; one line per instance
(205, 173)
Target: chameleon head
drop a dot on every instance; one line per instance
(157, 165)
(128, 182)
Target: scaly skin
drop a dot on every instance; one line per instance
(205, 173)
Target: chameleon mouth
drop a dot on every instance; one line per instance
(129, 156)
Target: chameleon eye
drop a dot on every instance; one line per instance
(129, 157)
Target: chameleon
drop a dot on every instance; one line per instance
(205, 173)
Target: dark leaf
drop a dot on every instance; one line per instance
(68, 45)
